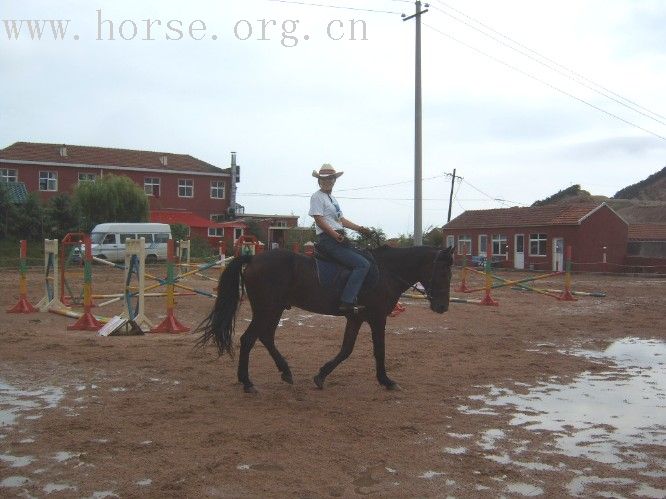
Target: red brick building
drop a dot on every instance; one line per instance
(181, 189)
(536, 237)
(647, 248)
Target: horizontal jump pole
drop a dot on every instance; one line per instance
(75, 315)
(452, 299)
(512, 282)
(147, 295)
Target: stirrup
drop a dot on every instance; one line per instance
(350, 308)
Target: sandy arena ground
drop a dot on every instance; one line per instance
(516, 400)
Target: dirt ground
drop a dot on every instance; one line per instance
(90, 416)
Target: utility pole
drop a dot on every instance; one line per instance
(418, 144)
(453, 180)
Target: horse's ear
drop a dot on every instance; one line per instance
(449, 250)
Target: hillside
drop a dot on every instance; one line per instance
(652, 188)
(642, 202)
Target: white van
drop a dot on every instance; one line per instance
(108, 240)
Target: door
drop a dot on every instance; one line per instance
(558, 254)
(108, 248)
(519, 251)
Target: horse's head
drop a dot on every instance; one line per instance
(436, 278)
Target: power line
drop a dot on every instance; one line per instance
(310, 4)
(268, 194)
(553, 66)
(545, 82)
(387, 185)
(540, 55)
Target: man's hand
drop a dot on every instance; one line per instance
(365, 231)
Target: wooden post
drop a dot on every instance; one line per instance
(23, 306)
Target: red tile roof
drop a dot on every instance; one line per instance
(182, 217)
(647, 232)
(105, 156)
(522, 217)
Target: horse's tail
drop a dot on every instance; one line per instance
(220, 323)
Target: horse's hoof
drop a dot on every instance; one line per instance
(393, 386)
(249, 389)
(319, 381)
(287, 377)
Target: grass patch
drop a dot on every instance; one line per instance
(10, 251)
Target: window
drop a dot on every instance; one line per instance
(48, 181)
(109, 239)
(185, 188)
(87, 177)
(499, 245)
(125, 237)
(279, 223)
(538, 244)
(161, 237)
(215, 231)
(238, 232)
(450, 241)
(218, 218)
(217, 189)
(147, 237)
(151, 186)
(483, 244)
(464, 245)
(7, 175)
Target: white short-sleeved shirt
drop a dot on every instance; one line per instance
(327, 206)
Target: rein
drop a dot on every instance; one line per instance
(428, 289)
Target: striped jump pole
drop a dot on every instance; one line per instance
(23, 306)
(87, 321)
(463, 283)
(487, 299)
(566, 295)
(170, 324)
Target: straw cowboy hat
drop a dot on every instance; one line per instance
(326, 171)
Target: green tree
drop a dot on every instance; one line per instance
(7, 210)
(180, 232)
(374, 240)
(60, 217)
(404, 240)
(254, 229)
(434, 236)
(27, 222)
(111, 199)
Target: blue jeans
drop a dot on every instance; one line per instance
(347, 256)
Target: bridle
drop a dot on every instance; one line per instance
(429, 292)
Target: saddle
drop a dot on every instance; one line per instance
(333, 274)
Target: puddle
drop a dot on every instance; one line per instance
(16, 461)
(604, 416)
(14, 401)
(50, 488)
(63, 456)
(12, 482)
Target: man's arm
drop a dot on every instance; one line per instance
(323, 225)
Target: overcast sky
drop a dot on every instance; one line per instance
(514, 129)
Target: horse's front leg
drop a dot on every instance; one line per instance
(378, 327)
(351, 332)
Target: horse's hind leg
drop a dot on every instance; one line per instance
(262, 326)
(246, 344)
(268, 341)
(351, 332)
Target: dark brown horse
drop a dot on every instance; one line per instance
(277, 280)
